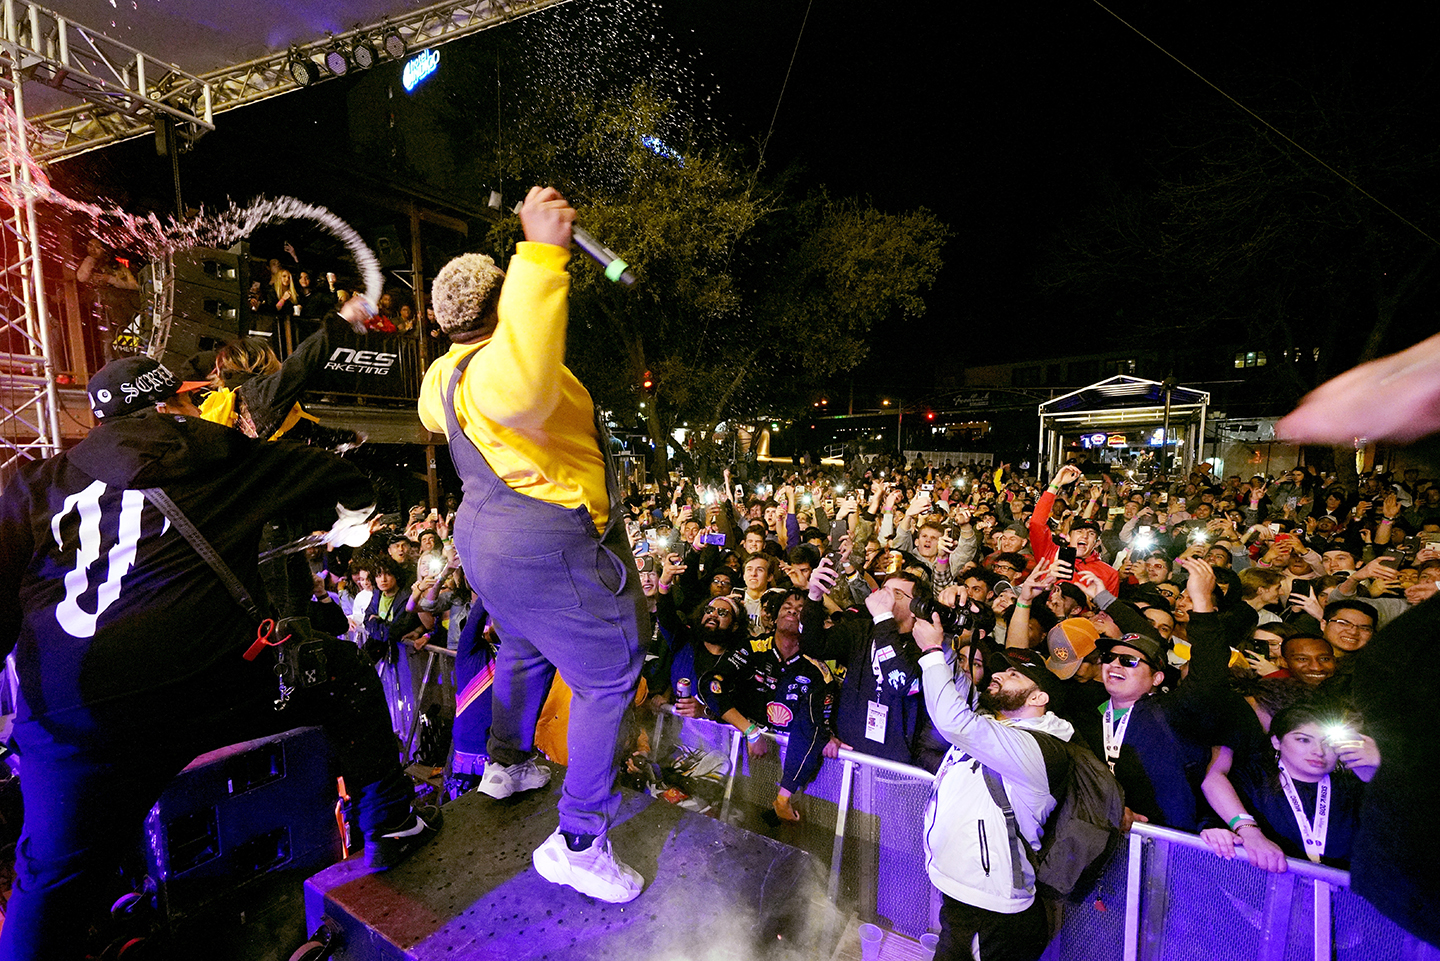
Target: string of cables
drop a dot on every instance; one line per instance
(1269, 126)
(785, 83)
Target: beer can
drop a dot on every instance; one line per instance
(683, 688)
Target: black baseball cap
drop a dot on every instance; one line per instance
(130, 384)
(1032, 665)
(1149, 647)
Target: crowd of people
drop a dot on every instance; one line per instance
(296, 290)
(1227, 648)
(1198, 634)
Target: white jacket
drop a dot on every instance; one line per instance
(967, 850)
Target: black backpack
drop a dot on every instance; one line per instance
(1084, 829)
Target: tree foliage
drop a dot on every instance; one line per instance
(1240, 237)
(748, 292)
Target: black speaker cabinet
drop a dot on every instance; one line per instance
(239, 814)
(208, 267)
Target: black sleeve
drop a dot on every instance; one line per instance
(1209, 652)
(838, 642)
(270, 397)
(1130, 620)
(1197, 709)
(17, 547)
(669, 620)
(308, 478)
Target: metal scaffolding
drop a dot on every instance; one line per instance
(117, 81)
(126, 93)
(132, 112)
(29, 405)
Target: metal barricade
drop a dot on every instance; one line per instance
(862, 816)
(410, 689)
(1182, 902)
(1164, 897)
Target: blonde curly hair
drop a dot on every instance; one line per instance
(465, 294)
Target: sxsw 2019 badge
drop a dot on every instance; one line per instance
(778, 714)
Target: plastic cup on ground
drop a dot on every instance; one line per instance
(928, 941)
(870, 938)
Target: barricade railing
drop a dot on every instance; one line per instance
(862, 814)
(1164, 896)
(1179, 900)
(1184, 902)
(439, 676)
(410, 688)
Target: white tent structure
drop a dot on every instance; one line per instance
(1124, 404)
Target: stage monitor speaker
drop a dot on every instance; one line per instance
(239, 813)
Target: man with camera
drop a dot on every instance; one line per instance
(881, 709)
(986, 880)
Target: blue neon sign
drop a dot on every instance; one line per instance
(418, 67)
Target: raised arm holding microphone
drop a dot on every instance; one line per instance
(540, 535)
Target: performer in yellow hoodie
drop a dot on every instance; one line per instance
(540, 532)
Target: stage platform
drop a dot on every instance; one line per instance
(714, 892)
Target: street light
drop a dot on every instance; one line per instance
(899, 425)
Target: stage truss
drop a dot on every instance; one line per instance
(192, 102)
(126, 93)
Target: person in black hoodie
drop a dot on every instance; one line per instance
(130, 650)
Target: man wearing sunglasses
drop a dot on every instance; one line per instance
(1157, 742)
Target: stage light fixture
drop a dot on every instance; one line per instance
(302, 69)
(394, 43)
(363, 54)
(336, 61)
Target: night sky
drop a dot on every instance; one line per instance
(1008, 121)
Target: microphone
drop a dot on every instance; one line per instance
(616, 270)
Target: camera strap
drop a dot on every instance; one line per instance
(202, 547)
(293, 669)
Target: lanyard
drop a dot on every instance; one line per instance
(1114, 734)
(1313, 834)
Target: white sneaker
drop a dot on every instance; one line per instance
(500, 782)
(594, 871)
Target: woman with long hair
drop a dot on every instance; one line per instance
(1300, 803)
